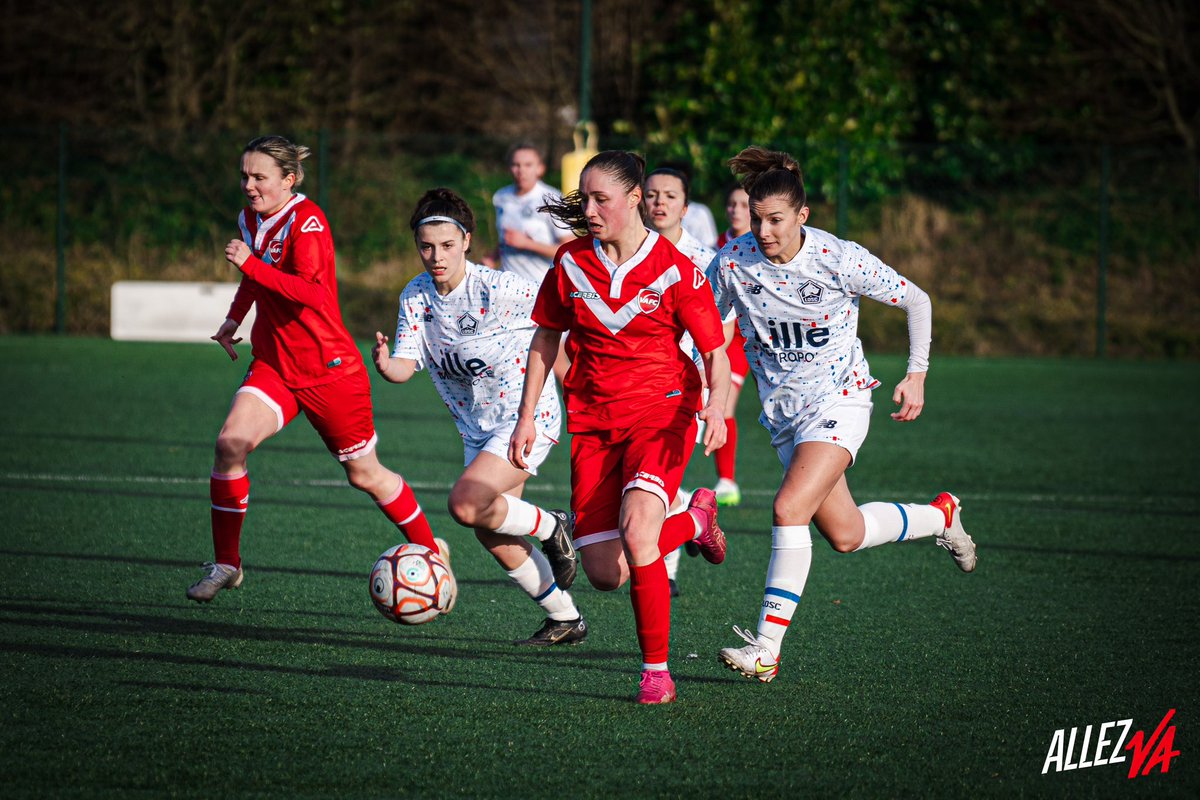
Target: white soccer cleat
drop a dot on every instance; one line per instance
(728, 492)
(220, 576)
(752, 661)
(444, 550)
(954, 538)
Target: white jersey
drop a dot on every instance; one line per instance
(800, 319)
(699, 222)
(474, 342)
(520, 212)
(701, 256)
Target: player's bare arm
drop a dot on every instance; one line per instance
(522, 241)
(543, 349)
(716, 370)
(394, 370)
(910, 396)
(225, 337)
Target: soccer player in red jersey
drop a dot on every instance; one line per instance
(627, 295)
(737, 210)
(304, 359)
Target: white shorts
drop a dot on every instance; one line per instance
(497, 445)
(843, 421)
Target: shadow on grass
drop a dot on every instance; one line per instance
(191, 687)
(196, 496)
(192, 565)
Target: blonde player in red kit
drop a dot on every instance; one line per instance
(627, 295)
(304, 359)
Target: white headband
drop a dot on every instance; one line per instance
(439, 218)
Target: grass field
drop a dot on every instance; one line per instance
(901, 676)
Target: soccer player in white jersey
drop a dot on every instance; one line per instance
(664, 204)
(795, 291)
(528, 237)
(626, 294)
(470, 327)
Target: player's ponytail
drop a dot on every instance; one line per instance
(770, 173)
(628, 169)
(286, 154)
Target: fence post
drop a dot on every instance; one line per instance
(1102, 264)
(843, 192)
(585, 62)
(60, 237)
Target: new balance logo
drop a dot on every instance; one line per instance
(753, 288)
(452, 364)
(312, 224)
(829, 424)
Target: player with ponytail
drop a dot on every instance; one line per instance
(795, 292)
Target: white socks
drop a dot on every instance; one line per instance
(526, 519)
(899, 522)
(791, 557)
(537, 581)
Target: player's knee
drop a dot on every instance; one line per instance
(605, 581)
(232, 447)
(374, 479)
(787, 511)
(605, 576)
(465, 507)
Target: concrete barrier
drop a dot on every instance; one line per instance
(172, 311)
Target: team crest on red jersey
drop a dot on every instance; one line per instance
(649, 300)
(275, 250)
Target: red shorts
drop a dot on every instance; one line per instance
(339, 410)
(739, 367)
(606, 464)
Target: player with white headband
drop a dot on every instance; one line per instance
(470, 327)
(795, 291)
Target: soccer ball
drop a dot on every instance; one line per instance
(411, 584)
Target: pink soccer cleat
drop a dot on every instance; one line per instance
(711, 540)
(656, 687)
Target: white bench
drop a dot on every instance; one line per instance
(172, 311)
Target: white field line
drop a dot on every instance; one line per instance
(542, 487)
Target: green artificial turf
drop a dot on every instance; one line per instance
(900, 677)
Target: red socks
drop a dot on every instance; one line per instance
(651, 598)
(230, 495)
(727, 455)
(405, 512)
(675, 531)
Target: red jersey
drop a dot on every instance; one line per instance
(298, 328)
(625, 321)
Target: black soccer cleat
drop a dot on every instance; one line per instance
(560, 550)
(571, 631)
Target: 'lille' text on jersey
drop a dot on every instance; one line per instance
(451, 364)
(792, 336)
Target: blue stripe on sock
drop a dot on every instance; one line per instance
(795, 598)
(546, 593)
(904, 517)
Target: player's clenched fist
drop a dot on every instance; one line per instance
(236, 252)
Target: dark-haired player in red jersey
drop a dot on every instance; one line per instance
(304, 359)
(626, 295)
